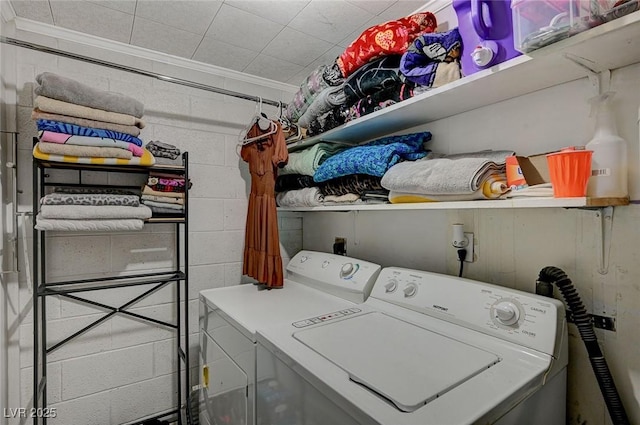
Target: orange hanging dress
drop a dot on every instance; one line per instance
(262, 259)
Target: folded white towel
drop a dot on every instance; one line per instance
(305, 197)
(90, 212)
(88, 225)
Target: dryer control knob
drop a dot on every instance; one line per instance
(506, 313)
(410, 290)
(391, 286)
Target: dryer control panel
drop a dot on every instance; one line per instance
(526, 319)
(346, 277)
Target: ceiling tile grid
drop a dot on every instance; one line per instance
(279, 40)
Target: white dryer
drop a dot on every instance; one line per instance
(315, 282)
(425, 349)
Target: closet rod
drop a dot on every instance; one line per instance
(45, 49)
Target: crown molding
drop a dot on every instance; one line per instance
(72, 36)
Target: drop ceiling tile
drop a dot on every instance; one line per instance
(281, 12)
(327, 58)
(38, 10)
(223, 54)
(373, 6)
(401, 9)
(94, 19)
(272, 68)
(355, 34)
(187, 15)
(126, 6)
(329, 20)
(242, 29)
(296, 47)
(162, 38)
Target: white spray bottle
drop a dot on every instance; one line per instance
(609, 161)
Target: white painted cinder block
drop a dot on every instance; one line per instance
(90, 410)
(214, 182)
(167, 108)
(72, 255)
(233, 274)
(216, 247)
(206, 215)
(164, 357)
(154, 251)
(95, 340)
(204, 147)
(205, 276)
(53, 384)
(128, 331)
(142, 399)
(235, 214)
(99, 372)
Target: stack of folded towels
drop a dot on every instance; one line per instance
(164, 194)
(76, 120)
(88, 209)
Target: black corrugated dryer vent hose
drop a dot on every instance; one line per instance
(554, 275)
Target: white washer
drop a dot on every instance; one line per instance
(424, 349)
(315, 282)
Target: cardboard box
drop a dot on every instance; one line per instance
(523, 171)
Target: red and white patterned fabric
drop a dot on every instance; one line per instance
(393, 37)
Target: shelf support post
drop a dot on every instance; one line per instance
(606, 225)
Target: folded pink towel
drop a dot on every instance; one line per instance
(103, 142)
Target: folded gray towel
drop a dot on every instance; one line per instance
(68, 90)
(499, 157)
(442, 176)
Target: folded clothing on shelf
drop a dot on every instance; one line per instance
(474, 175)
(68, 90)
(163, 150)
(68, 225)
(145, 160)
(90, 198)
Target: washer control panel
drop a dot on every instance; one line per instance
(325, 317)
(521, 317)
(346, 277)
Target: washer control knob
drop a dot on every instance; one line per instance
(410, 290)
(506, 313)
(325, 264)
(348, 270)
(391, 286)
(303, 258)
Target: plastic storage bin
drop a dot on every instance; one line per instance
(537, 23)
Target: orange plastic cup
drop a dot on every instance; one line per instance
(569, 171)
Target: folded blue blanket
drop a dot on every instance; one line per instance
(77, 130)
(373, 158)
(423, 57)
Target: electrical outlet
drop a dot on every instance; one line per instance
(340, 246)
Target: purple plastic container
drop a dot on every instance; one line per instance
(487, 33)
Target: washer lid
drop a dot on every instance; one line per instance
(402, 362)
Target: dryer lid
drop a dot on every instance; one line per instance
(404, 363)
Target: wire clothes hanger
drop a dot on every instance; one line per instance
(264, 124)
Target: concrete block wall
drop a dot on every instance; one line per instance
(123, 369)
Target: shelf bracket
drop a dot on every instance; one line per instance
(606, 225)
(599, 78)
